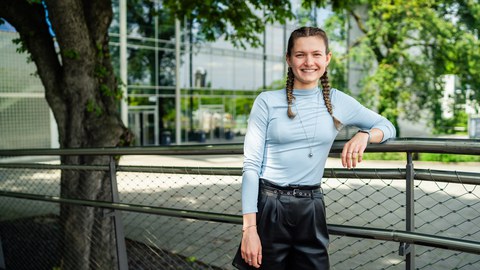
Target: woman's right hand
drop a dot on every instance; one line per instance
(251, 247)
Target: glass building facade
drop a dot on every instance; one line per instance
(218, 82)
(25, 119)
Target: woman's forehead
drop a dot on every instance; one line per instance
(312, 43)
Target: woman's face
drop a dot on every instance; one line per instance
(308, 60)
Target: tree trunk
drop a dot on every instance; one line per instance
(83, 93)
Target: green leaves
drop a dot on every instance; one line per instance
(71, 54)
(21, 45)
(412, 44)
(240, 22)
(93, 107)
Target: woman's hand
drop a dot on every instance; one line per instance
(251, 247)
(353, 150)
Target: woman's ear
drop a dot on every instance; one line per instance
(287, 58)
(329, 57)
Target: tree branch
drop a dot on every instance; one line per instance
(359, 22)
(73, 35)
(98, 17)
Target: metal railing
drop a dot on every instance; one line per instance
(187, 217)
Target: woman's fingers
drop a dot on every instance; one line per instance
(252, 249)
(254, 260)
(351, 156)
(345, 156)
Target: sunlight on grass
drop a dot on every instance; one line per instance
(423, 157)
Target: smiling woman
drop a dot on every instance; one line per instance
(289, 135)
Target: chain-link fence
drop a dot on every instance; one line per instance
(185, 237)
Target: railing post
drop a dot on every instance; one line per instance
(117, 219)
(406, 249)
(2, 260)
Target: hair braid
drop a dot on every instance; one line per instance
(326, 98)
(289, 90)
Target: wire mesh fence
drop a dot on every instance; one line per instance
(31, 230)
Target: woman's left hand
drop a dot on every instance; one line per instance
(353, 150)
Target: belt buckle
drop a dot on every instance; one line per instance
(296, 192)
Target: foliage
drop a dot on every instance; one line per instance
(422, 157)
(304, 17)
(240, 22)
(408, 46)
(337, 69)
(448, 157)
(384, 156)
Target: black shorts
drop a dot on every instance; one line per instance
(292, 228)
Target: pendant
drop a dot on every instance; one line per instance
(310, 155)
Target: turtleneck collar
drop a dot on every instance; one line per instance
(306, 92)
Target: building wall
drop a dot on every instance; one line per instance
(24, 112)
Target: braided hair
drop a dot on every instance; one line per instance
(289, 89)
(308, 32)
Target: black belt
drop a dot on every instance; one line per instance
(290, 190)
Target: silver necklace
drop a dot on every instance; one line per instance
(305, 131)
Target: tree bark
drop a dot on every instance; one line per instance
(82, 91)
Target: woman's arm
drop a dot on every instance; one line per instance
(254, 147)
(377, 128)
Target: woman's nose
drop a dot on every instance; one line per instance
(308, 60)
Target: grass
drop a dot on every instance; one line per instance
(423, 157)
(449, 157)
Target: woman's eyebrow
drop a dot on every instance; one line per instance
(316, 51)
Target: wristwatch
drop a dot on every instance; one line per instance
(366, 131)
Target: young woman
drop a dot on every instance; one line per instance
(290, 133)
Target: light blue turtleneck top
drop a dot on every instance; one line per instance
(277, 148)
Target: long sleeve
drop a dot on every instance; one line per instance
(350, 112)
(254, 151)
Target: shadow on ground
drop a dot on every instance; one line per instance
(34, 243)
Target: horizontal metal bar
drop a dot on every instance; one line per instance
(225, 149)
(451, 146)
(365, 173)
(342, 230)
(235, 171)
(54, 166)
(228, 171)
(407, 237)
(472, 178)
(459, 177)
(172, 212)
(420, 145)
